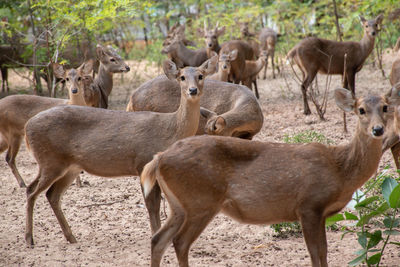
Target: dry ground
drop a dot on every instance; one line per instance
(110, 221)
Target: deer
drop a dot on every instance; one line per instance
(268, 38)
(262, 182)
(16, 110)
(8, 56)
(183, 56)
(249, 37)
(227, 109)
(395, 72)
(313, 55)
(251, 70)
(245, 52)
(224, 66)
(122, 141)
(175, 30)
(211, 37)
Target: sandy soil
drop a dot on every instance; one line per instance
(110, 221)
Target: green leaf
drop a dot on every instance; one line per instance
(366, 201)
(350, 216)
(375, 238)
(395, 243)
(387, 187)
(394, 198)
(374, 259)
(365, 219)
(334, 219)
(362, 239)
(391, 232)
(357, 260)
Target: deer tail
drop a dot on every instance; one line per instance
(149, 175)
(291, 55)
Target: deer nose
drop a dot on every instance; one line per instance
(377, 130)
(127, 68)
(209, 44)
(373, 33)
(193, 91)
(74, 91)
(224, 67)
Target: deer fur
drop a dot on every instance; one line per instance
(67, 140)
(245, 52)
(395, 72)
(16, 110)
(230, 109)
(224, 66)
(249, 37)
(183, 56)
(251, 70)
(264, 183)
(175, 30)
(268, 38)
(313, 55)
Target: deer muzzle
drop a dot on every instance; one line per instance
(74, 91)
(193, 91)
(378, 130)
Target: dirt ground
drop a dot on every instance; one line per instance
(110, 221)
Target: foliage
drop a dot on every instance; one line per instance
(307, 137)
(383, 208)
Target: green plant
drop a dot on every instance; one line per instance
(383, 208)
(307, 137)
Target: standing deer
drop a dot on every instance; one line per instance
(66, 140)
(249, 37)
(16, 110)
(211, 38)
(268, 38)
(8, 56)
(313, 55)
(245, 52)
(264, 183)
(224, 66)
(251, 70)
(395, 72)
(230, 109)
(175, 30)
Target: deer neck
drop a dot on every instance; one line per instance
(358, 160)
(223, 76)
(104, 79)
(187, 118)
(367, 45)
(184, 52)
(76, 99)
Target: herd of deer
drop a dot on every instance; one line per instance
(250, 181)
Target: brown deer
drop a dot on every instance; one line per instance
(224, 66)
(177, 29)
(9, 55)
(16, 110)
(264, 183)
(110, 63)
(313, 55)
(245, 52)
(268, 38)
(249, 37)
(211, 37)
(251, 70)
(395, 72)
(183, 56)
(240, 114)
(66, 140)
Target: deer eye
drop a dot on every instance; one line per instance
(362, 111)
(376, 25)
(366, 26)
(112, 60)
(67, 79)
(200, 77)
(79, 79)
(385, 108)
(182, 78)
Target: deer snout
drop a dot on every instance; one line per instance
(210, 45)
(127, 68)
(74, 91)
(377, 130)
(193, 91)
(224, 66)
(373, 33)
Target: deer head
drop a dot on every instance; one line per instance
(372, 26)
(111, 60)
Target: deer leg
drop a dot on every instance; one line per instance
(189, 232)
(42, 182)
(351, 79)
(163, 237)
(12, 152)
(265, 68)
(54, 195)
(396, 153)
(306, 83)
(255, 88)
(273, 66)
(313, 226)
(78, 181)
(3, 77)
(152, 202)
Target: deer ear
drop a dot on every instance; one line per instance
(206, 113)
(58, 71)
(210, 66)
(362, 19)
(86, 68)
(170, 69)
(100, 52)
(344, 99)
(379, 19)
(220, 31)
(217, 125)
(233, 55)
